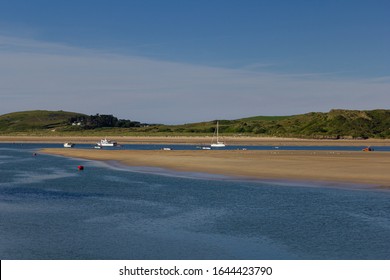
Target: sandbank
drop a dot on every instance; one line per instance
(197, 140)
(369, 168)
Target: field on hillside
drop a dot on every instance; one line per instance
(335, 124)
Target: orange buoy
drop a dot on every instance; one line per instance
(80, 167)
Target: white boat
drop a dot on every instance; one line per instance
(106, 143)
(166, 149)
(68, 145)
(203, 147)
(218, 144)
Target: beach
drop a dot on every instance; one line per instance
(197, 140)
(357, 167)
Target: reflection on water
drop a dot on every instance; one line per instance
(50, 210)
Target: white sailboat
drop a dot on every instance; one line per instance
(218, 144)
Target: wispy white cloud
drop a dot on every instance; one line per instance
(385, 79)
(257, 66)
(40, 75)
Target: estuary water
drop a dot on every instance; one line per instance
(50, 210)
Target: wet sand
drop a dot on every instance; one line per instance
(369, 168)
(196, 140)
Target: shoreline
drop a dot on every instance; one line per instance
(328, 167)
(197, 140)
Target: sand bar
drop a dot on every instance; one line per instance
(370, 168)
(196, 140)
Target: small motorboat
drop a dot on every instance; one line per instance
(68, 145)
(107, 143)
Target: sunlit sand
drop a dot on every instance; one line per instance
(371, 168)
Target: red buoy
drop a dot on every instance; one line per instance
(80, 167)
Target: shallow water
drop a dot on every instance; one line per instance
(50, 210)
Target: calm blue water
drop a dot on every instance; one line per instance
(229, 147)
(49, 210)
(195, 147)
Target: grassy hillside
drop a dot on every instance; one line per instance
(35, 120)
(334, 124)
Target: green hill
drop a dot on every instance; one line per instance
(35, 120)
(334, 124)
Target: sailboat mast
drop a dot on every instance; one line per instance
(217, 130)
(217, 144)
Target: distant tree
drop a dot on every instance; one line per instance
(99, 121)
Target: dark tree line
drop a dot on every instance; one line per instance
(98, 121)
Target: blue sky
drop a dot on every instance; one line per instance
(183, 61)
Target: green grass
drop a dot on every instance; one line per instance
(34, 120)
(334, 124)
